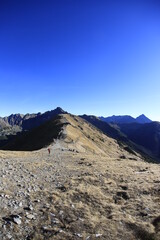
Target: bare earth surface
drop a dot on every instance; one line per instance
(73, 195)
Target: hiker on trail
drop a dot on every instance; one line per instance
(49, 151)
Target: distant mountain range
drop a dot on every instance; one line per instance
(141, 131)
(34, 131)
(126, 119)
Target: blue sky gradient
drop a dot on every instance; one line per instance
(97, 57)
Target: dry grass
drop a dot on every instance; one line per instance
(88, 188)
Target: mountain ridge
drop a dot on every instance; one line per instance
(18, 128)
(126, 119)
(24, 120)
(75, 133)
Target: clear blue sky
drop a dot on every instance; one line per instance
(87, 56)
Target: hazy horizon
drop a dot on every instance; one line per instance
(88, 57)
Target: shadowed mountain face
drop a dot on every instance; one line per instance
(39, 119)
(14, 119)
(16, 123)
(141, 131)
(114, 131)
(126, 119)
(104, 127)
(143, 119)
(146, 135)
(29, 121)
(36, 138)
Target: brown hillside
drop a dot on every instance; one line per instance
(88, 187)
(82, 136)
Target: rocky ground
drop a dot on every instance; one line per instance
(73, 195)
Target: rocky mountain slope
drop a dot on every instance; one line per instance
(3, 124)
(88, 187)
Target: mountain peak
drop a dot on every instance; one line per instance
(59, 110)
(143, 119)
